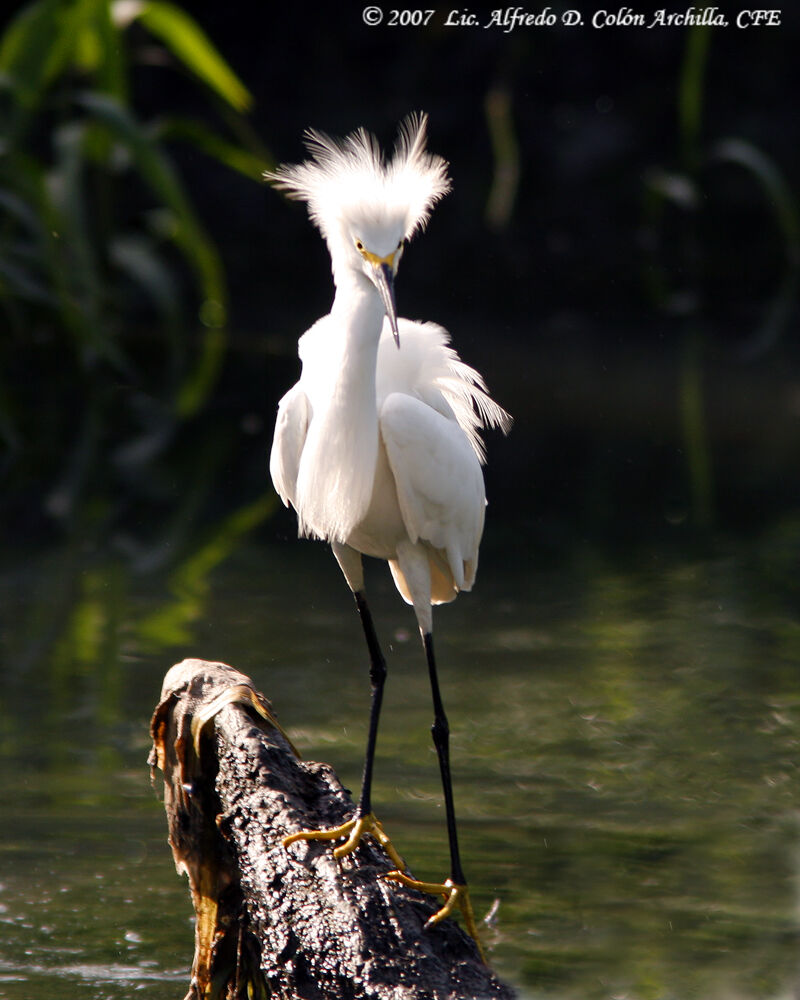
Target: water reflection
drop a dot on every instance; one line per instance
(625, 746)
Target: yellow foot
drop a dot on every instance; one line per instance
(454, 896)
(354, 830)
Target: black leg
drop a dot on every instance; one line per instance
(454, 889)
(363, 821)
(377, 676)
(441, 740)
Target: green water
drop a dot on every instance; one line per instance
(624, 738)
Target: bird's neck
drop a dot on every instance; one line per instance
(358, 314)
(338, 468)
(358, 307)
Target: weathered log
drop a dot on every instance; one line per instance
(294, 922)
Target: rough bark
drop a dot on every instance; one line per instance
(292, 923)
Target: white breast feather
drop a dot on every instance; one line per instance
(337, 467)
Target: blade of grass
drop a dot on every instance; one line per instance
(188, 235)
(190, 45)
(172, 624)
(66, 184)
(505, 148)
(690, 94)
(35, 47)
(781, 201)
(778, 193)
(212, 144)
(136, 256)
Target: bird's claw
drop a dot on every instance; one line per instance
(455, 895)
(354, 829)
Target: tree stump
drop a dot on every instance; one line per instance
(293, 922)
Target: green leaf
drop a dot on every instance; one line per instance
(778, 193)
(209, 142)
(49, 35)
(137, 257)
(16, 207)
(19, 281)
(83, 285)
(173, 623)
(780, 198)
(100, 50)
(186, 232)
(35, 47)
(690, 93)
(153, 165)
(187, 41)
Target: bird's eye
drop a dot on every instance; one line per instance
(359, 246)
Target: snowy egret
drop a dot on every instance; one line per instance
(377, 447)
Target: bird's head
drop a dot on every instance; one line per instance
(365, 207)
(380, 266)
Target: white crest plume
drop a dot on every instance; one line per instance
(348, 184)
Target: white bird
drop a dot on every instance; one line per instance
(377, 446)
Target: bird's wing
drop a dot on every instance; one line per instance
(426, 366)
(294, 415)
(439, 481)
